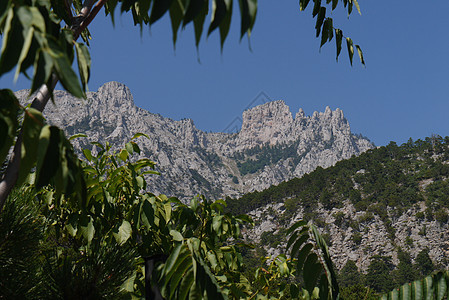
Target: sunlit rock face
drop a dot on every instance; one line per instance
(271, 146)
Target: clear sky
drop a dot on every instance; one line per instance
(403, 91)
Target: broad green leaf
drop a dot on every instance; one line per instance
(72, 224)
(299, 242)
(31, 16)
(86, 227)
(128, 285)
(311, 271)
(296, 226)
(123, 232)
(32, 125)
(176, 235)
(171, 260)
(302, 255)
(87, 154)
(123, 155)
(66, 75)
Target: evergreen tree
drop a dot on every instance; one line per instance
(423, 263)
(350, 275)
(379, 275)
(405, 272)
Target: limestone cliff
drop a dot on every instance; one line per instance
(271, 146)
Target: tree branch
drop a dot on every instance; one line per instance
(40, 101)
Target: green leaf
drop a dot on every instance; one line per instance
(147, 217)
(86, 227)
(32, 125)
(160, 7)
(302, 255)
(319, 20)
(311, 271)
(192, 10)
(350, 47)
(248, 11)
(176, 235)
(128, 285)
(359, 50)
(123, 232)
(357, 6)
(28, 37)
(72, 224)
(338, 40)
(48, 157)
(43, 66)
(64, 70)
(84, 63)
(303, 4)
(225, 24)
(316, 7)
(123, 155)
(176, 16)
(12, 43)
(78, 135)
(198, 23)
(9, 106)
(334, 4)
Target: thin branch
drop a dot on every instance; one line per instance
(88, 19)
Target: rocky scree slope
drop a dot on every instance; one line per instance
(271, 147)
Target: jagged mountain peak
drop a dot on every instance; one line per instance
(271, 146)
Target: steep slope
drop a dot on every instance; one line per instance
(271, 147)
(386, 199)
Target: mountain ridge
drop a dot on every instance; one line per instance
(271, 147)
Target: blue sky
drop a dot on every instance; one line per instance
(403, 91)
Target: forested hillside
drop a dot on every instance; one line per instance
(384, 213)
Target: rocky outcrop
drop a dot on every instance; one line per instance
(271, 146)
(357, 235)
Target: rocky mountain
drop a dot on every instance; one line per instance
(271, 146)
(387, 200)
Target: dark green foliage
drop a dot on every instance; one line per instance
(357, 238)
(21, 230)
(405, 271)
(379, 276)
(349, 275)
(423, 264)
(255, 159)
(357, 292)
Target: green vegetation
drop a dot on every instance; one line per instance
(389, 176)
(255, 159)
